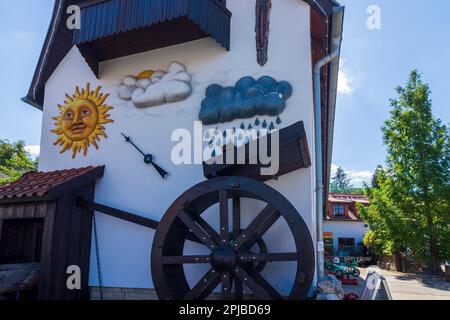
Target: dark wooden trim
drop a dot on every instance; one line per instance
(8, 201)
(89, 3)
(294, 155)
(46, 255)
(262, 28)
(116, 213)
(220, 3)
(126, 216)
(76, 182)
(1, 230)
(24, 210)
(86, 235)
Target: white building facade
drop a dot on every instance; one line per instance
(131, 185)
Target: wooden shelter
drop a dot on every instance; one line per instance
(40, 223)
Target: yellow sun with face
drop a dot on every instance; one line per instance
(81, 120)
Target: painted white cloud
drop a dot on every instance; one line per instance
(358, 178)
(160, 88)
(34, 151)
(344, 80)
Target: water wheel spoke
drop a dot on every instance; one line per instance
(257, 228)
(238, 289)
(197, 230)
(236, 216)
(259, 291)
(238, 286)
(207, 227)
(186, 259)
(226, 285)
(204, 286)
(223, 208)
(268, 257)
(262, 282)
(265, 226)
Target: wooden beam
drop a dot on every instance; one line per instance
(116, 213)
(126, 216)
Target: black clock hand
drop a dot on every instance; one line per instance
(128, 139)
(148, 158)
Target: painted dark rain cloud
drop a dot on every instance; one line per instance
(248, 98)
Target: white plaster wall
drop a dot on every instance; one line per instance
(129, 184)
(346, 229)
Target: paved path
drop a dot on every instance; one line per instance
(405, 286)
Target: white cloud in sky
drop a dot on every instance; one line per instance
(345, 80)
(357, 177)
(34, 151)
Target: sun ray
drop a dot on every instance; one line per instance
(90, 136)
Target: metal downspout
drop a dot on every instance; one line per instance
(337, 21)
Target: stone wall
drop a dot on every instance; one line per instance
(123, 294)
(139, 294)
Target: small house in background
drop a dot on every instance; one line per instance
(344, 228)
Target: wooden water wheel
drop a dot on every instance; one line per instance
(231, 259)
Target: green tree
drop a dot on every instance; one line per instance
(388, 228)
(374, 181)
(410, 204)
(14, 161)
(340, 183)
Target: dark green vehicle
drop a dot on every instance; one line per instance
(343, 269)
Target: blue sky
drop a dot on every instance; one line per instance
(414, 34)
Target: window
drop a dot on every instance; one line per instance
(338, 210)
(346, 242)
(347, 247)
(21, 241)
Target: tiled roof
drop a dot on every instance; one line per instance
(41, 184)
(347, 198)
(351, 217)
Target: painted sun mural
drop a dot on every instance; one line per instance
(81, 120)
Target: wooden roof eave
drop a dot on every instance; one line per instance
(56, 191)
(76, 182)
(43, 71)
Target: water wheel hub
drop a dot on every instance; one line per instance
(223, 258)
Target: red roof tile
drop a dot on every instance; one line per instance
(351, 217)
(40, 184)
(347, 198)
